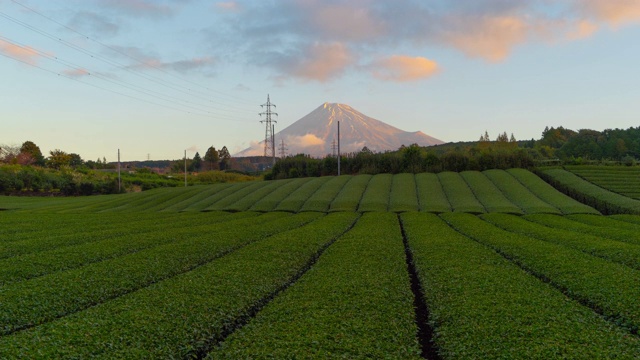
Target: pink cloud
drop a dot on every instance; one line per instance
(401, 68)
(76, 73)
(231, 6)
(22, 53)
(582, 29)
(322, 62)
(139, 7)
(488, 37)
(614, 12)
(343, 21)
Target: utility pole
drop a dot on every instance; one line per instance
(282, 149)
(273, 144)
(119, 180)
(338, 148)
(269, 148)
(185, 168)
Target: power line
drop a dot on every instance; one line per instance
(234, 109)
(133, 87)
(96, 86)
(230, 97)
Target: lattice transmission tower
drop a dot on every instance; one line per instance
(269, 142)
(282, 149)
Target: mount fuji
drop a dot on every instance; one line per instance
(315, 134)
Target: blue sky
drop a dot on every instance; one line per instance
(156, 77)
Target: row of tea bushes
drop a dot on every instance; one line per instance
(482, 306)
(186, 315)
(608, 288)
(36, 301)
(356, 302)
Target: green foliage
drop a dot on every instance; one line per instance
(156, 274)
(275, 197)
(184, 315)
(376, 195)
(459, 194)
(404, 196)
(431, 196)
(46, 298)
(298, 197)
(196, 163)
(483, 306)
(408, 159)
(623, 180)
(617, 251)
(312, 318)
(322, 198)
(608, 288)
(549, 194)
(349, 197)
(519, 194)
(31, 149)
(96, 242)
(590, 225)
(603, 200)
(212, 159)
(225, 158)
(488, 194)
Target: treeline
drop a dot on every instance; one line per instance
(411, 159)
(213, 160)
(557, 145)
(29, 154)
(19, 179)
(621, 145)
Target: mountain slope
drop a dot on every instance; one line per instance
(314, 133)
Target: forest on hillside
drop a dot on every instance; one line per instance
(556, 146)
(25, 169)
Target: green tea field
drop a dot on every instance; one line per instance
(472, 265)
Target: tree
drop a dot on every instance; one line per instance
(9, 154)
(31, 149)
(212, 158)
(75, 160)
(224, 158)
(503, 137)
(412, 158)
(366, 150)
(58, 159)
(196, 163)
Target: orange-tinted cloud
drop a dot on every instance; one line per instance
(305, 140)
(349, 33)
(582, 29)
(488, 37)
(140, 7)
(76, 73)
(346, 21)
(614, 12)
(322, 62)
(22, 53)
(232, 6)
(401, 68)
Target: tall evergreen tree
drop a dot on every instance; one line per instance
(212, 159)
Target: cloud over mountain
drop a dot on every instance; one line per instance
(315, 133)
